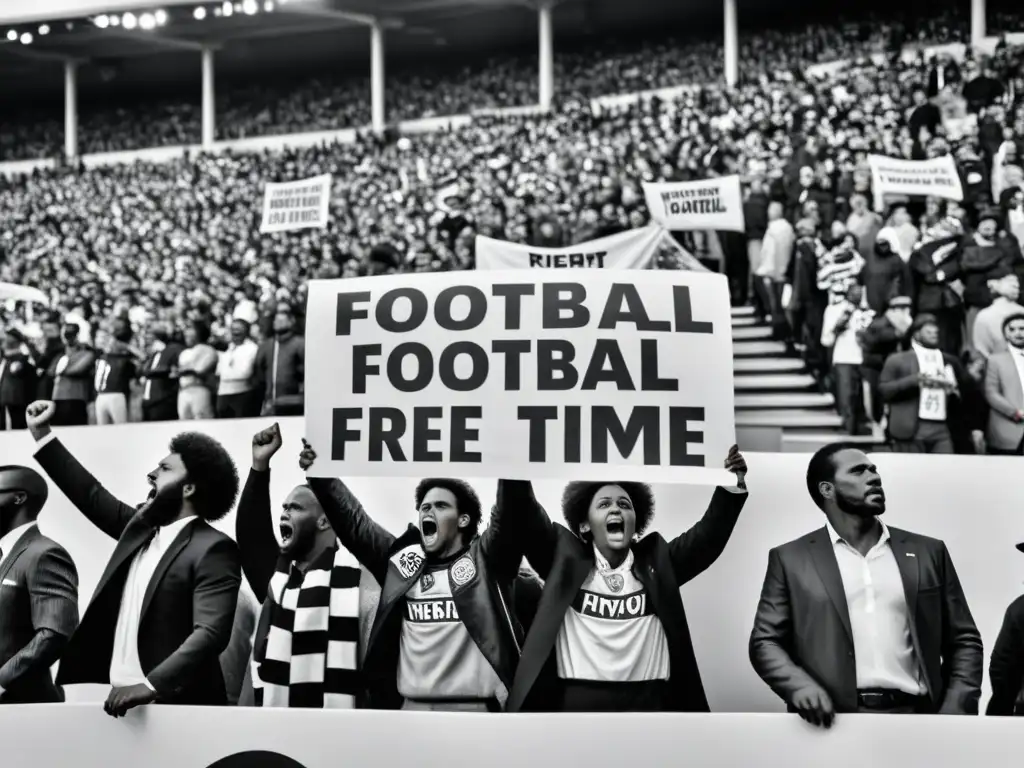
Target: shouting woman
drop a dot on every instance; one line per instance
(610, 634)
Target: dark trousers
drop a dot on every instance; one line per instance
(244, 405)
(588, 696)
(849, 393)
(1018, 451)
(70, 413)
(162, 410)
(951, 330)
(16, 415)
(930, 437)
(289, 410)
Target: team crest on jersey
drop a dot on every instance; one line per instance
(426, 581)
(463, 571)
(615, 581)
(409, 561)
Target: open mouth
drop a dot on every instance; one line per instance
(428, 527)
(615, 526)
(287, 532)
(152, 494)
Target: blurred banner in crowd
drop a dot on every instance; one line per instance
(494, 374)
(634, 249)
(926, 178)
(697, 205)
(296, 204)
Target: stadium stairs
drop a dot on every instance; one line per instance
(779, 407)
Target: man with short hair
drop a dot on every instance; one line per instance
(988, 338)
(72, 375)
(445, 636)
(163, 609)
(309, 657)
(859, 617)
(281, 366)
(38, 596)
(1004, 392)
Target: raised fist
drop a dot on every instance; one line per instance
(264, 445)
(38, 416)
(307, 456)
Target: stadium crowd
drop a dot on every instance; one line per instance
(168, 302)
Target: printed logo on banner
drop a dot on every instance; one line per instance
(256, 760)
(409, 560)
(463, 571)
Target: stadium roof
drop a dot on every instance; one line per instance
(156, 44)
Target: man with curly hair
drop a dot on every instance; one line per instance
(447, 632)
(610, 633)
(163, 609)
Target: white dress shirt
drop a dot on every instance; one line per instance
(125, 666)
(883, 649)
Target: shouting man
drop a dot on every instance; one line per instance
(446, 635)
(163, 609)
(308, 657)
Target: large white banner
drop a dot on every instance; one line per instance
(931, 178)
(697, 205)
(634, 249)
(82, 736)
(296, 204)
(522, 376)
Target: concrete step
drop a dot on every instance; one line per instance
(758, 348)
(765, 400)
(752, 333)
(743, 321)
(747, 365)
(789, 419)
(809, 442)
(793, 382)
(744, 311)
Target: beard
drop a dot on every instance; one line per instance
(161, 508)
(860, 508)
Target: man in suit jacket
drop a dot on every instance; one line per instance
(38, 593)
(1004, 391)
(858, 617)
(922, 387)
(1006, 667)
(164, 606)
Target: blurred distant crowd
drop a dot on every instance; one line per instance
(168, 303)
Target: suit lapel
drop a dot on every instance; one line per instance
(180, 542)
(824, 556)
(1016, 390)
(135, 535)
(907, 562)
(8, 562)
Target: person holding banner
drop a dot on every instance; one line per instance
(445, 637)
(163, 610)
(295, 573)
(859, 617)
(610, 633)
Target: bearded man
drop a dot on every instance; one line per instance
(860, 617)
(164, 607)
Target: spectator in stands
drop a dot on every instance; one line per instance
(159, 387)
(884, 275)
(920, 386)
(900, 231)
(808, 300)
(934, 268)
(72, 376)
(968, 422)
(115, 370)
(984, 257)
(238, 397)
(50, 349)
(1004, 391)
(18, 382)
(988, 338)
(755, 215)
(884, 336)
(774, 264)
(197, 362)
(281, 366)
(864, 224)
(842, 323)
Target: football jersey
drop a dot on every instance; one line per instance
(610, 633)
(438, 658)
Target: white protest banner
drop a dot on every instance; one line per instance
(697, 205)
(931, 178)
(634, 249)
(83, 736)
(502, 374)
(296, 204)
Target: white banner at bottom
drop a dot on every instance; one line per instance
(82, 736)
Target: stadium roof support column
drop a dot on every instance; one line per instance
(209, 107)
(71, 109)
(978, 22)
(378, 104)
(546, 34)
(732, 48)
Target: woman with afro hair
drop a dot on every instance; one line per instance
(610, 633)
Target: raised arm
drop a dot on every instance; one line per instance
(697, 549)
(356, 530)
(962, 654)
(214, 599)
(82, 489)
(519, 526)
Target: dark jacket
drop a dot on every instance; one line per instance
(189, 607)
(979, 264)
(878, 341)
(114, 373)
(157, 384)
(884, 276)
(564, 561)
(802, 632)
(283, 385)
(484, 603)
(38, 614)
(19, 382)
(1006, 669)
(931, 280)
(75, 382)
(900, 389)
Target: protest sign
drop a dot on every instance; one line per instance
(697, 205)
(83, 736)
(488, 373)
(296, 204)
(937, 177)
(634, 249)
